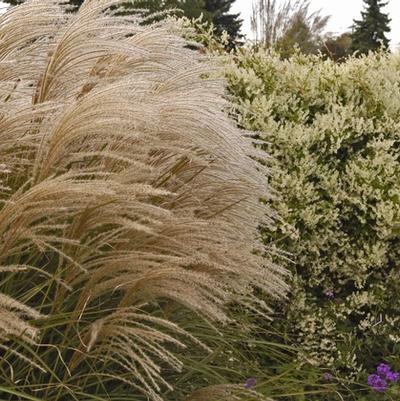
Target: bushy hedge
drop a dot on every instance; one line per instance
(334, 134)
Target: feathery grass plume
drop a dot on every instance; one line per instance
(126, 194)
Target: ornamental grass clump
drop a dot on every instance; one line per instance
(127, 197)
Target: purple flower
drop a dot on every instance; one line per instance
(383, 369)
(250, 382)
(392, 377)
(377, 383)
(328, 377)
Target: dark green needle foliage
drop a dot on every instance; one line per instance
(370, 32)
(223, 20)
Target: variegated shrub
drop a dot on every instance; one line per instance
(334, 133)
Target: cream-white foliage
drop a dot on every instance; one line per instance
(334, 133)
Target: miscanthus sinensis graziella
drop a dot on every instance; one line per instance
(126, 196)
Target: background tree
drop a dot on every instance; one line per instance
(337, 48)
(222, 19)
(288, 26)
(270, 20)
(369, 33)
(190, 8)
(305, 33)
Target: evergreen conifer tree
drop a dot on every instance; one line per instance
(222, 20)
(369, 33)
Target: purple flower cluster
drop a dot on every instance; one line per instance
(250, 383)
(384, 375)
(377, 383)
